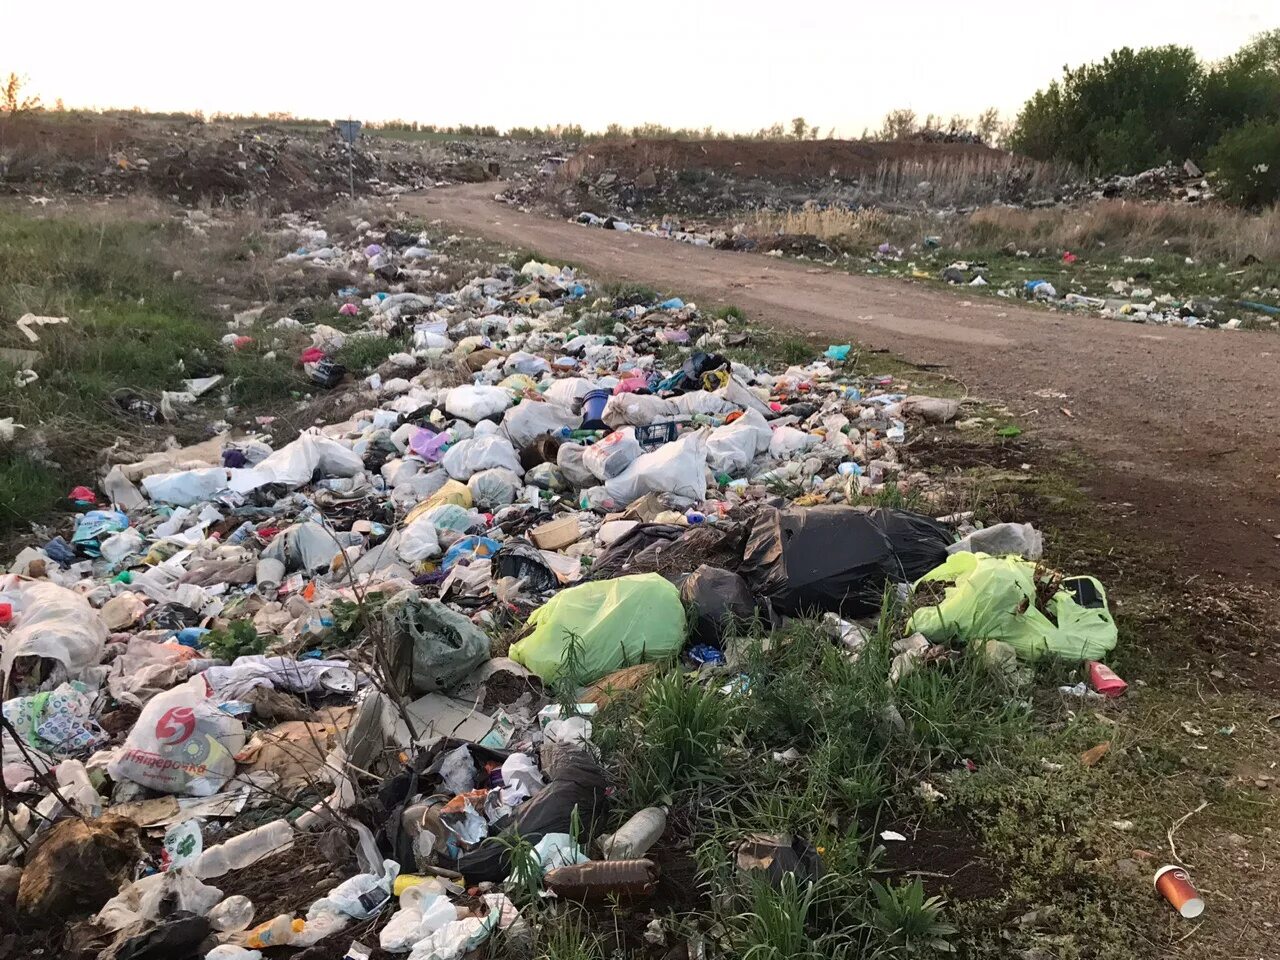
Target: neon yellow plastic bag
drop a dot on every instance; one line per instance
(994, 598)
(621, 622)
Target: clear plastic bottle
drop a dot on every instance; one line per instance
(232, 915)
(636, 836)
(266, 840)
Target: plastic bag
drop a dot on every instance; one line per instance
(50, 621)
(838, 558)
(636, 410)
(994, 598)
(786, 442)
(619, 622)
(185, 487)
(418, 540)
(612, 454)
(476, 403)
(298, 462)
(678, 468)
(735, 446)
(435, 647)
(571, 462)
(717, 599)
(530, 419)
(467, 457)
(1002, 539)
(412, 924)
(181, 743)
(568, 391)
(494, 488)
(142, 899)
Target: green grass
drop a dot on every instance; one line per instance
(363, 354)
(133, 327)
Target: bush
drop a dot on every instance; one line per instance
(1246, 164)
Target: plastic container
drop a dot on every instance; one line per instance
(556, 534)
(634, 838)
(267, 840)
(1105, 680)
(593, 408)
(656, 434)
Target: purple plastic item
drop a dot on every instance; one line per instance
(428, 445)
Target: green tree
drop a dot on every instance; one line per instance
(1245, 164)
(799, 127)
(1135, 109)
(898, 124)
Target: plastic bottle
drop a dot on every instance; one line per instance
(266, 840)
(277, 932)
(241, 533)
(232, 915)
(634, 838)
(599, 880)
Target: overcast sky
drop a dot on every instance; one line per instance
(734, 64)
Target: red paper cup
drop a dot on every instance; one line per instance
(1175, 886)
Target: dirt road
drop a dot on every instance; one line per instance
(1182, 424)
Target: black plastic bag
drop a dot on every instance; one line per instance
(520, 558)
(576, 781)
(838, 558)
(717, 599)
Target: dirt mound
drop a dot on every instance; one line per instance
(773, 159)
(218, 162)
(724, 177)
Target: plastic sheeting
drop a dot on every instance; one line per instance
(619, 623)
(994, 598)
(838, 558)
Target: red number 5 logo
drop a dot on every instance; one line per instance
(175, 726)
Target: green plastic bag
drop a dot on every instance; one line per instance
(621, 622)
(994, 598)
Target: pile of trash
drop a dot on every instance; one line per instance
(379, 647)
(1169, 183)
(229, 163)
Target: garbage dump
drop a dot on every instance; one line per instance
(263, 658)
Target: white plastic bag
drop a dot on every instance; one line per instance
(735, 446)
(788, 441)
(471, 456)
(677, 468)
(296, 463)
(473, 403)
(530, 419)
(530, 364)
(612, 454)
(181, 743)
(493, 488)
(636, 410)
(569, 390)
(358, 897)
(418, 540)
(50, 621)
(141, 899)
(185, 487)
(571, 462)
(414, 923)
